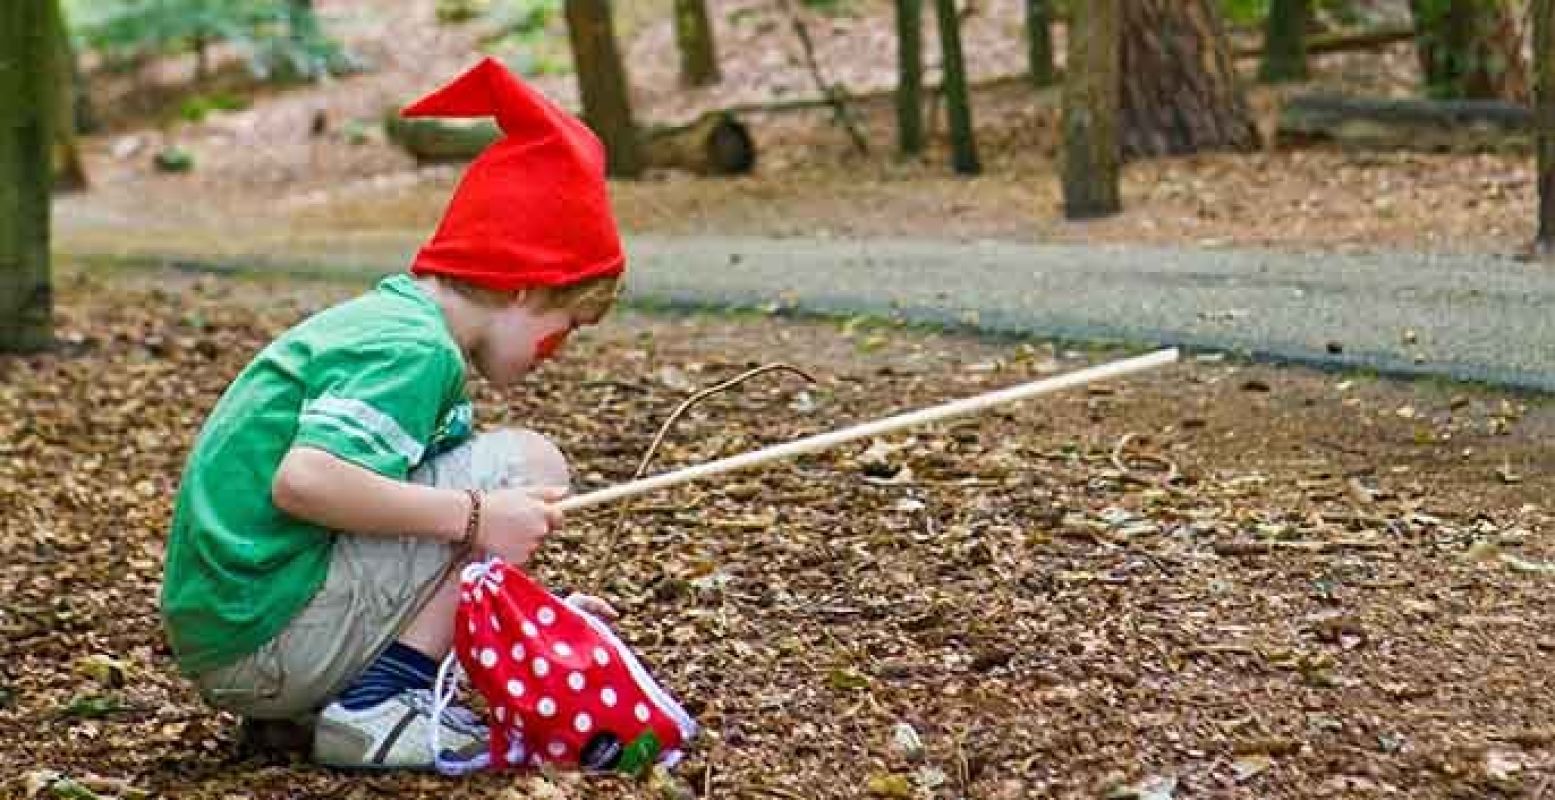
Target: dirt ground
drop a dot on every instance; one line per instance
(1217, 580)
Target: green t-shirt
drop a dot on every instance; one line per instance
(377, 381)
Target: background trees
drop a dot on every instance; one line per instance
(29, 51)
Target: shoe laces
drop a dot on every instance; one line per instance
(455, 717)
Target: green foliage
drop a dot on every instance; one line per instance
(453, 12)
(527, 28)
(279, 38)
(196, 108)
(174, 160)
(826, 6)
(1247, 13)
(1244, 12)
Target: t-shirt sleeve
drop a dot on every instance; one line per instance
(378, 407)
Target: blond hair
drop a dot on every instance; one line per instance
(589, 300)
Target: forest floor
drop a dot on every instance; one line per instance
(1219, 579)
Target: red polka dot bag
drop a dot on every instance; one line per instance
(561, 689)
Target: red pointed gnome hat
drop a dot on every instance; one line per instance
(560, 688)
(532, 210)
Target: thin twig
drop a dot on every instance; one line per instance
(1131, 474)
(836, 96)
(614, 538)
(772, 791)
(642, 466)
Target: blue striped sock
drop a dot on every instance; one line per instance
(396, 669)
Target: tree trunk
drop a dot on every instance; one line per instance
(1039, 41)
(1470, 49)
(909, 76)
(958, 105)
(28, 50)
(1180, 91)
(69, 171)
(698, 51)
(1285, 42)
(1091, 110)
(607, 106)
(1544, 118)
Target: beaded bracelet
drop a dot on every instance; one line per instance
(472, 525)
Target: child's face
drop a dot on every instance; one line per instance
(520, 337)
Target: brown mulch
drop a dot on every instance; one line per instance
(1217, 580)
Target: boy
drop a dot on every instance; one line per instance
(313, 562)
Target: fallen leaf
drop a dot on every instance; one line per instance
(1250, 766)
(893, 787)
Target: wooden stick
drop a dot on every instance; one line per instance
(880, 427)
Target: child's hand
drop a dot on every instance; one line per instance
(590, 604)
(515, 521)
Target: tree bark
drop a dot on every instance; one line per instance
(1039, 42)
(698, 49)
(1180, 90)
(1544, 119)
(29, 47)
(909, 76)
(958, 104)
(607, 106)
(69, 170)
(1285, 42)
(1470, 49)
(1091, 110)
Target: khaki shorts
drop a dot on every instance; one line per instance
(373, 590)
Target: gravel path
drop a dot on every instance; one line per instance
(1477, 318)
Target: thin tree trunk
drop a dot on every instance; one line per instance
(1470, 49)
(28, 50)
(1091, 110)
(958, 105)
(1544, 118)
(607, 106)
(1285, 42)
(698, 50)
(69, 171)
(909, 76)
(1180, 89)
(1039, 41)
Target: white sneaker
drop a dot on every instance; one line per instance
(396, 734)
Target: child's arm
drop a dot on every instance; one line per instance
(321, 488)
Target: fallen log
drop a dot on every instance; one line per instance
(716, 143)
(1341, 42)
(1404, 124)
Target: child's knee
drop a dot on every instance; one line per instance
(527, 458)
